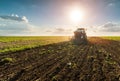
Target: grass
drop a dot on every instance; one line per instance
(24, 38)
(13, 49)
(116, 38)
(7, 59)
(16, 43)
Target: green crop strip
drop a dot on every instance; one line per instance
(116, 38)
(16, 43)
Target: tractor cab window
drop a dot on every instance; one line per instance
(82, 31)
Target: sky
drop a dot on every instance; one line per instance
(52, 17)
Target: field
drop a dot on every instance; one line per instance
(13, 44)
(58, 59)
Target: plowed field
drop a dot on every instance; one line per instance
(99, 60)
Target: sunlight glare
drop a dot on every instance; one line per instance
(76, 15)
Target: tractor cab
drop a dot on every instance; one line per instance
(80, 36)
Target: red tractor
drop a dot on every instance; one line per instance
(80, 36)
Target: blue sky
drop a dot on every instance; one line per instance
(51, 17)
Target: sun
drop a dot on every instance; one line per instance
(76, 15)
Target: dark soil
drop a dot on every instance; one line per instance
(99, 60)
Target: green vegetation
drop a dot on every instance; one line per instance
(26, 38)
(63, 62)
(116, 38)
(13, 49)
(15, 43)
(6, 60)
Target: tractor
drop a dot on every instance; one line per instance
(80, 36)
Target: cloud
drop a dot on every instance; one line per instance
(48, 31)
(15, 18)
(25, 19)
(60, 31)
(13, 29)
(110, 27)
(106, 29)
(11, 25)
(111, 4)
(2, 24)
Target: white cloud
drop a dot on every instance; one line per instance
(107, 29)
(16, 15)
(110, 27)
(16, 27)
(60, 31)
(15, 18)
(25, 19)
(12, 15)
(2, 25)
(111, 4)
(10, 27)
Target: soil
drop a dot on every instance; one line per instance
(99, 60)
